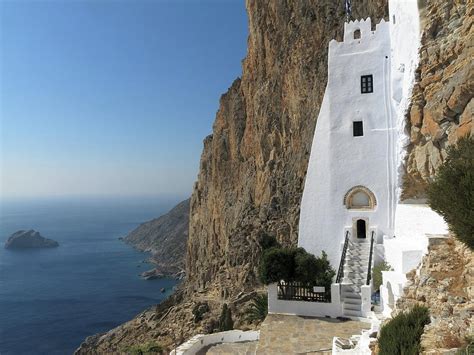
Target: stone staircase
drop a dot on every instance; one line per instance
(355, 276)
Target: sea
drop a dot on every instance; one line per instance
(52, 299)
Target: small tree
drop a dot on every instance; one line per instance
(325, 273)
(452, 192)
(306, 267)
(295, 264)
(277, 264)
(225, 320)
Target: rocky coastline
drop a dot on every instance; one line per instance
(165, 239)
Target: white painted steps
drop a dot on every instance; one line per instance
(355, 276)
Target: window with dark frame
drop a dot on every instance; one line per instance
(366, 84)
(357, 129)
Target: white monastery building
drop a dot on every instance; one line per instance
(350, 206)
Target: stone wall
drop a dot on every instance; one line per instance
(445, 285)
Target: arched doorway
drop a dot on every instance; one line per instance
(361, 229)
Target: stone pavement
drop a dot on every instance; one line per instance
(284, 334)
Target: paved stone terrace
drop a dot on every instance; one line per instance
(281, 334)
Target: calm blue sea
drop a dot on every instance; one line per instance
(51, 299)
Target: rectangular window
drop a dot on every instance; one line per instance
(366, 84)
(357, 129)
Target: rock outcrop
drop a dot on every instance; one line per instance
(165, 238)
(445, 284)
(29, 240)
(442, 104)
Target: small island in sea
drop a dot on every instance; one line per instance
(29, 240)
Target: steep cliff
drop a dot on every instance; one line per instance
(165, 238)
(442, 106)
(254, 164)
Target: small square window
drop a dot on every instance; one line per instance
(366, 84)
(357, 129)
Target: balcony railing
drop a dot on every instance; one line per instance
(298, 291)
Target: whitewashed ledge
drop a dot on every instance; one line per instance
(197, 342)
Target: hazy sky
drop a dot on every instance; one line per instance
(112, 97)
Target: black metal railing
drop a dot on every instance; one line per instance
(340, 271)
(369, 267)
(298, 291)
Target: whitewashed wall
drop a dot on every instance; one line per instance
(196, 343)
(405, 39)
(302, 308)
(340, 161)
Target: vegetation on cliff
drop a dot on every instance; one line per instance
(452, 192)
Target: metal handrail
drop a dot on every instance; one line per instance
(340, 271)
(369, 270)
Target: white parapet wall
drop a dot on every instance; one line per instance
(331, 309)
(414, 224)
(200, 341)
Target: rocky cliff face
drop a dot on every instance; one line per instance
(254, 164)
(165, 238)
(442, 106)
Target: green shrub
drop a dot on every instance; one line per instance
(258, 309)
(277, 264)
(451, 194)
(401, 335)
(325, 273)
(145, 349)
(295, 264)
(225, 320)
(377, 273)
